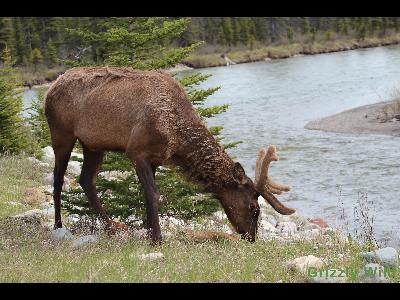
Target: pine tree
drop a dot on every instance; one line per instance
(306, 25)
(6, 33)
(142, 43)
(12, 138)
(22, 49)
(290, 34)
(37, 57)
(51, 53)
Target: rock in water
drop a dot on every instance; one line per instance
(61, 234)
(151, 256)
(386, 256)
(84, 240)
(302, 264)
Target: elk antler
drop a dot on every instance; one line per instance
(265, 186)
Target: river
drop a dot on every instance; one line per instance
(271, 101)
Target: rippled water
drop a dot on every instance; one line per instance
(271, 101)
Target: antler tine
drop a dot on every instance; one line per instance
(264, 159)
(265, 185)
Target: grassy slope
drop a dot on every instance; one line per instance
(27, 254)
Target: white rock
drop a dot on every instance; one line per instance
(307, 234)
(74, 167)
(286, 228)
(266, 226)
(49, 180)
(151, 256)
(84, 240)
(78, 155)
(34, 160)
(302, 264)
(48, 155)
(220, 215)
(73, 218)
(61, 234)
(48, 212)
(269, 218)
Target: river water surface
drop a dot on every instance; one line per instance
(271, 101)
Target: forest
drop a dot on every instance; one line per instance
(50, 41)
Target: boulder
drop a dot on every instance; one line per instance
(49, 180)
(61, 234)
(77, 155)
(303, 263)
(74, 167)
(286, 228)
(388, 257)
(220, 216)
(84, 240)
(48, 155)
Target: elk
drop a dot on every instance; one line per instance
(147, 115)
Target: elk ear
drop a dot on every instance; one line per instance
(239, 174)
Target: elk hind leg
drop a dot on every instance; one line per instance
(62, 151)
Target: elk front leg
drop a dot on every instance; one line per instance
(145, 173)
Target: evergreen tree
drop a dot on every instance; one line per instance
(306, 25)
(37, 57)
(290, 34)
(12, 138)
(51, 53)
(6, 34)
(140, 43)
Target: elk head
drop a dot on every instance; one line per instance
(240, 201)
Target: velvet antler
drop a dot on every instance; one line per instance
(265, 186)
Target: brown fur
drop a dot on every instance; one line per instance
(147, 115)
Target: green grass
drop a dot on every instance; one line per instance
(17, 174)
(28, 254)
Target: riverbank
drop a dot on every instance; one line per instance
(33, 252)
(199, 60)
(380, 118)
(285, 51)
